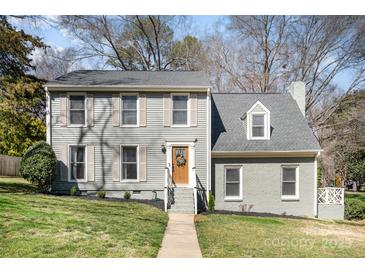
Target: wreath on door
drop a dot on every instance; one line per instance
(180, 157)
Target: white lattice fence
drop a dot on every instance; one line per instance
(331, 196)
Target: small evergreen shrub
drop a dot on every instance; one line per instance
(127, 195)
(38, 165)
(211, 203)
(354, 209)
(74, 191)
(101, 194)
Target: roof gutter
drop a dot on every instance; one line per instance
(152, 88)
(264, 154)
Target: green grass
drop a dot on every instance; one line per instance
(36, 225)
(355, 195)
(224, 236)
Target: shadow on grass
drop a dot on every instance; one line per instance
(10, 186)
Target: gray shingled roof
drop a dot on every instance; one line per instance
(134, 78)
(289, 129)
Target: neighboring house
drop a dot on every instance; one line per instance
(164, 135)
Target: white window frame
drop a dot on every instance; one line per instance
(121, 109)
(121, 163)
(69, 164)
(69, 109)
(266, 114)
(233, 166)
(290, 197)
(187, 109)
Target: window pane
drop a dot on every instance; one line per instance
(180, 117)
(77, 171)
(77, 102)
(233, 189)
(129, 154)
(288, 188)
(129, 171)
(233, 174)
(129, 117)
(80, 154)
(258, 120)
(77, 117)
(129, 102)
(73, 154)
(73, 171)
(180, 102)
(258, 132)
(289, 174)
(80, 171)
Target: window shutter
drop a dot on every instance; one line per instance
(142, 163)
(166, 110)
(63, 110)
(193, 110)
(63, 162)
(142, 110)
(116, 110)
(90, 110)
(116, 163)
(90, 163)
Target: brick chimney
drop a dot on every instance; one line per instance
(297, 91)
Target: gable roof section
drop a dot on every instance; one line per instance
(289, 129)
(132, 78)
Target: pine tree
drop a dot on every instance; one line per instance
(22, 98)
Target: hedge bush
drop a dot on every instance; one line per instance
(38, 165)
(74, 191)
(101, 194)
(211, 203)
(354, 209)
(127, 195)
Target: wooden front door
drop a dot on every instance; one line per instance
(180, 164)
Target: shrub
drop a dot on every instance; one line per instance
(354, 209)
(101, 194)
(74, 191)
(211, 203)
(38, 165)
(127, 195)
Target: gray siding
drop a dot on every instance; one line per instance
(261, 186)
(103, 136)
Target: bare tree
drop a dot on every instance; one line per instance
(266, 53)
(51, 62)
(126, 42)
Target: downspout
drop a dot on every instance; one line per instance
(208, 143)
(48, 117)
(315, 185)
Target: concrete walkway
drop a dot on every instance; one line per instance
(180, 240)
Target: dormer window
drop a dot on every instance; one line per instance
(258, 122)
(258, 125)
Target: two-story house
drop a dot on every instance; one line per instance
(164, 135)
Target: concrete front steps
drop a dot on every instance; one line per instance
(184, 200)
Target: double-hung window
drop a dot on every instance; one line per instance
(77, 163)
(180, 110)
(290, 182)
(130, 110)
(258, 122)
(258, 125)
(77, 110)
(233, 182)
(129, 163)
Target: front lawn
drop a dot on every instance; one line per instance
(36, 225)
(225, 236)
(355, 195)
